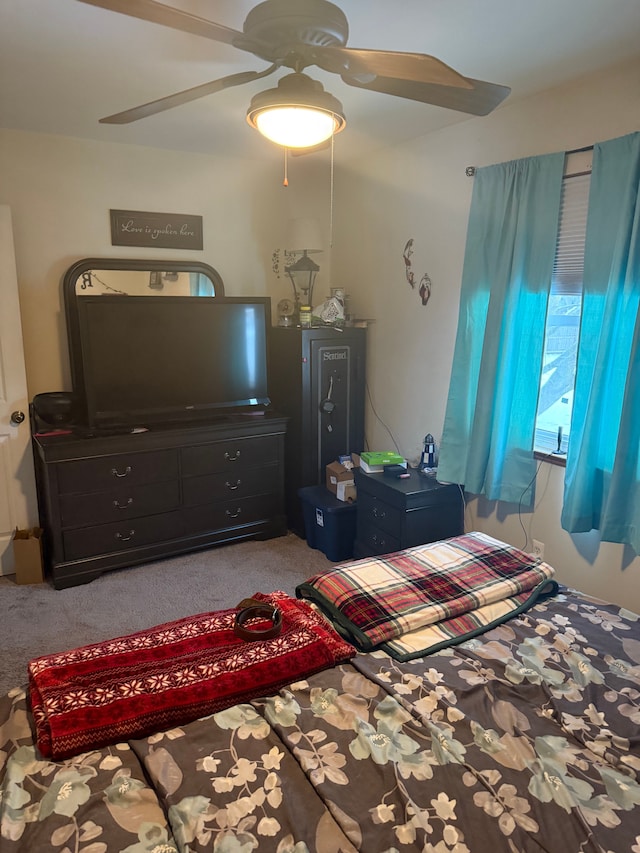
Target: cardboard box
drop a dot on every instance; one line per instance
(27, 555)
(337, 473)
(346, 491)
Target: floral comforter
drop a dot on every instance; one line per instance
(524, 739)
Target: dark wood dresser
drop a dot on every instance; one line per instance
(395, 513)
(107, 502)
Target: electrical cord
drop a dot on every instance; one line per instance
(524, 492)
(464, 502)
(464, 505)
(373, 409)
(462, 495)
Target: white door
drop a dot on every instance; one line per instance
(18, 505)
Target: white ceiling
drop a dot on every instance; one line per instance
(64, 65)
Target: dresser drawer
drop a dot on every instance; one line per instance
(120, 536)
(433, 523)
(233, 513)
(394, 514)
(100, 473)
(229, 455)
(373, 512)
(373, 541)
(119, 503)
(230, 485)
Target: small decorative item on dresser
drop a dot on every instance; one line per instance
(331, 312)
(305, 316)
(286, 312)
(428, 458)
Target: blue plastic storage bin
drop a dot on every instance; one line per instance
(329, 524)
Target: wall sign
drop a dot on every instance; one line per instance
(161, 230)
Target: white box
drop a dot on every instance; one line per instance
(346, 491)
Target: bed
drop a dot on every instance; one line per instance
(524, 737)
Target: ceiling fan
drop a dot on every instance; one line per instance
(297, 34)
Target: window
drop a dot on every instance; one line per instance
(555, 400)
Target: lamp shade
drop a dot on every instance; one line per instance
(304, 234)
(298, 113)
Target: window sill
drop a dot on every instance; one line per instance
(559, 459)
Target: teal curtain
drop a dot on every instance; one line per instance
(602, 477)
(487, 439)
(200, 284)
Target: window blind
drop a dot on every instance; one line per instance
(569, 262)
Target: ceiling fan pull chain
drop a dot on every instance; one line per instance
(285, 182)
(331, 175)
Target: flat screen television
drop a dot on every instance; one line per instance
(146, 360)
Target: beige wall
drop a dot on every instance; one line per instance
(419, 190)
(60, 191)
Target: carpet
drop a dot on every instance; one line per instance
(37, 619)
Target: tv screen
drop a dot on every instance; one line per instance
(146, 360)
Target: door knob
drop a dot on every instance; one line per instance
(17, 417)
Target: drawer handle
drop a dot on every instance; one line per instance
(233, 486)
(231, 458)
(379, 513)
(124, 473)
(235, 514)
(118, 505)
(125, 537)
(376, 541)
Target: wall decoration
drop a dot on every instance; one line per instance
(424, 287)
(280, 260)
(87, 279)
(160, 230)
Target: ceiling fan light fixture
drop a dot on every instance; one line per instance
(296, 127)
(296, 114)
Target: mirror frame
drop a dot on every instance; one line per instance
(70, 294)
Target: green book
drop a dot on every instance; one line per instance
(382, 457)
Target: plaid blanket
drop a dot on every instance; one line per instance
(422, 599)
(171, 674)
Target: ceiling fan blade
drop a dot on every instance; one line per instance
(417, 67)
(158, 13)
(480, 100)
(179, 98)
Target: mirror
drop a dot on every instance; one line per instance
(104, 276)
(96, 276)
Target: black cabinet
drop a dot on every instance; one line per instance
(393, 514)
(316, 379)
(114, 501)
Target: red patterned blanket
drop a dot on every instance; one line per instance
(171, 674)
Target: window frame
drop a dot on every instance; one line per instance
(567, 275)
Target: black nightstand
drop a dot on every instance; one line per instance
(393, 514)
